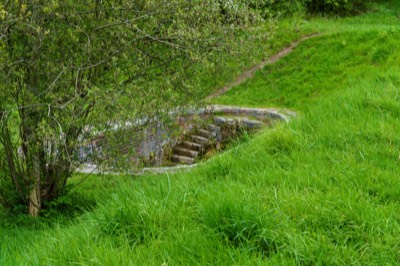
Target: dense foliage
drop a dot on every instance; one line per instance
(291, 7)
(281, 8)
(339, 7)
(69, 66)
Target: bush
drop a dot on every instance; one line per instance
(278, 7)
(290, 7)
(337, 7)
(286, 7)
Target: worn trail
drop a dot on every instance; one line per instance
(250, 72)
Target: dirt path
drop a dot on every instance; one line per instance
(250, 72)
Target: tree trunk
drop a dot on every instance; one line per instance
(34, 202)
(35, 195)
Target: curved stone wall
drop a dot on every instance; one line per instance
(248, 118)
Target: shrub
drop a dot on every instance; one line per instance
(278, 7)
(290, 7)
(337, 7)
(287, 7)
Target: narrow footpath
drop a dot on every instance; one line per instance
(250, 72)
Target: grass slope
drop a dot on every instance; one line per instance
(350, 49)
(320, 190)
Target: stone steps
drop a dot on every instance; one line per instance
(179, 150)
(207, 134)
(186, 152)
(191, 146)
(182, 159)
(201, 139)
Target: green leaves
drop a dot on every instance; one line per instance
(73, 65)
(337, 7)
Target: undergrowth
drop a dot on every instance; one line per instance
(320, 190)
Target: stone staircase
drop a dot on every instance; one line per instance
(226, 122)
(201, 139)
(197, 143)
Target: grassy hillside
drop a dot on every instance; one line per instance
(322, 189)
(349, 49)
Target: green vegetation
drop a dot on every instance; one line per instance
(326, 7)
(339, 7)
(69, 70)
(350, 49)
(320, 190)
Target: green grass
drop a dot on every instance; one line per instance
(346, 53)
(320, 190)
(226, 69)
(350, 49)
(322, 65)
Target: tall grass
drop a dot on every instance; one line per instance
(320, 190)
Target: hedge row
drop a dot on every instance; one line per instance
(330, 7)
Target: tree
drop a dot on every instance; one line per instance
(67, 65)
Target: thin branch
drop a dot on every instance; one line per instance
(52, 84)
